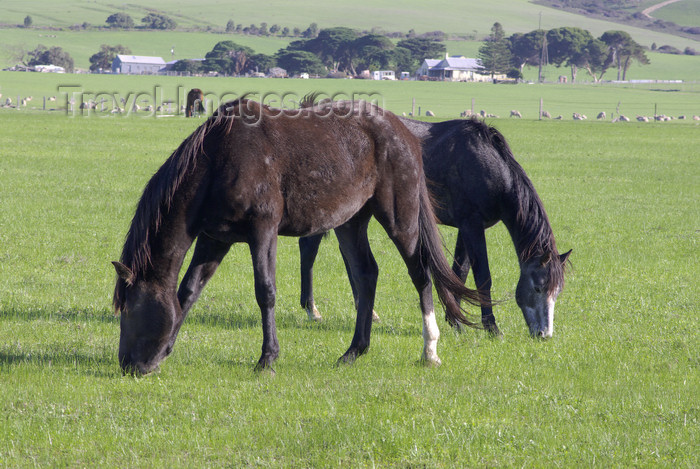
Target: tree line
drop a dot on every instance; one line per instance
(339, 50)
(571, 47)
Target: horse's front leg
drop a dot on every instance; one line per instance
(263, 249)
(208, 254)
(471, 242)
(308, 249)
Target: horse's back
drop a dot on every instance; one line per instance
(466, 172)
(307, 171)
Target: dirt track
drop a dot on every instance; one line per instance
(648, 11)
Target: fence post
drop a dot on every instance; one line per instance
(413, 108)
(541, 108)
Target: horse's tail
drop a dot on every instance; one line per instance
(449, 287)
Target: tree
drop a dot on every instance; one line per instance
(156, 21)
(28, 21)
(261, 63)
(372, 51)
(527, 48)
(311, 31)
(593, 58)
(230, 26)
(187, 66)
(332, 46)
(53, 56)
(229, 58)
(567, 46)
(622, 51)
(421, 48)
(495, 53)
(120, 20)
(299, 61)
(104, 58)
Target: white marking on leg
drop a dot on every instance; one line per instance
(550, 315)
(313, 313)
(431, 334)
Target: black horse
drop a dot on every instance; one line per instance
(475, 183)
(251, 173)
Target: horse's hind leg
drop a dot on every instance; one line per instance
(308, 249)
(408, 245)
(363, 269)
(263, 249)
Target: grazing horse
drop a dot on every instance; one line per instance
(476, 182)
(250, 173)
(195, 103)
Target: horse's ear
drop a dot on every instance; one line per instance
(546, 258)
(565, 257)
(124, 272)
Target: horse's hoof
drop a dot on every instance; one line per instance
(375, 316)
(265, 369)
(347, 359)
(314, 315)
(431, 362)
(493, 331)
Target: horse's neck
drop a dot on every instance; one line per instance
(528, 227)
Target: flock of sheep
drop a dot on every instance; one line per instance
(8, 103)
(580, 117)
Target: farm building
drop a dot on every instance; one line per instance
(137, 65)
(457, 68)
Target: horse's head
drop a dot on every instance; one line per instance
(541, 281)
(149, 322)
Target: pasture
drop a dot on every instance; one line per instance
(616, 386)
(446, 100)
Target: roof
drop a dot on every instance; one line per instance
(458, 63)
(141, 59)
(432, 62)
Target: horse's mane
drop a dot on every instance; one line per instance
(159, 193)
(536, 235)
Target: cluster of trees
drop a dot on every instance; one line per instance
(572, 47)
(43, 55)
(150, 21)
(333, 50)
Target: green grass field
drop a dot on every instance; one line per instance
(615, 387)
(192, 40)
(446, 100)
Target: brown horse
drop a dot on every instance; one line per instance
(251, 173)
(195, 103)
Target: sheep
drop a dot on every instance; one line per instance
(642, 119)
(514, 113)
(601, 115)
(546, 115)
(579, 117)
(430, 113)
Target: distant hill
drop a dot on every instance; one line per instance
(468, 19)
(79, 26)
(678, 17)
